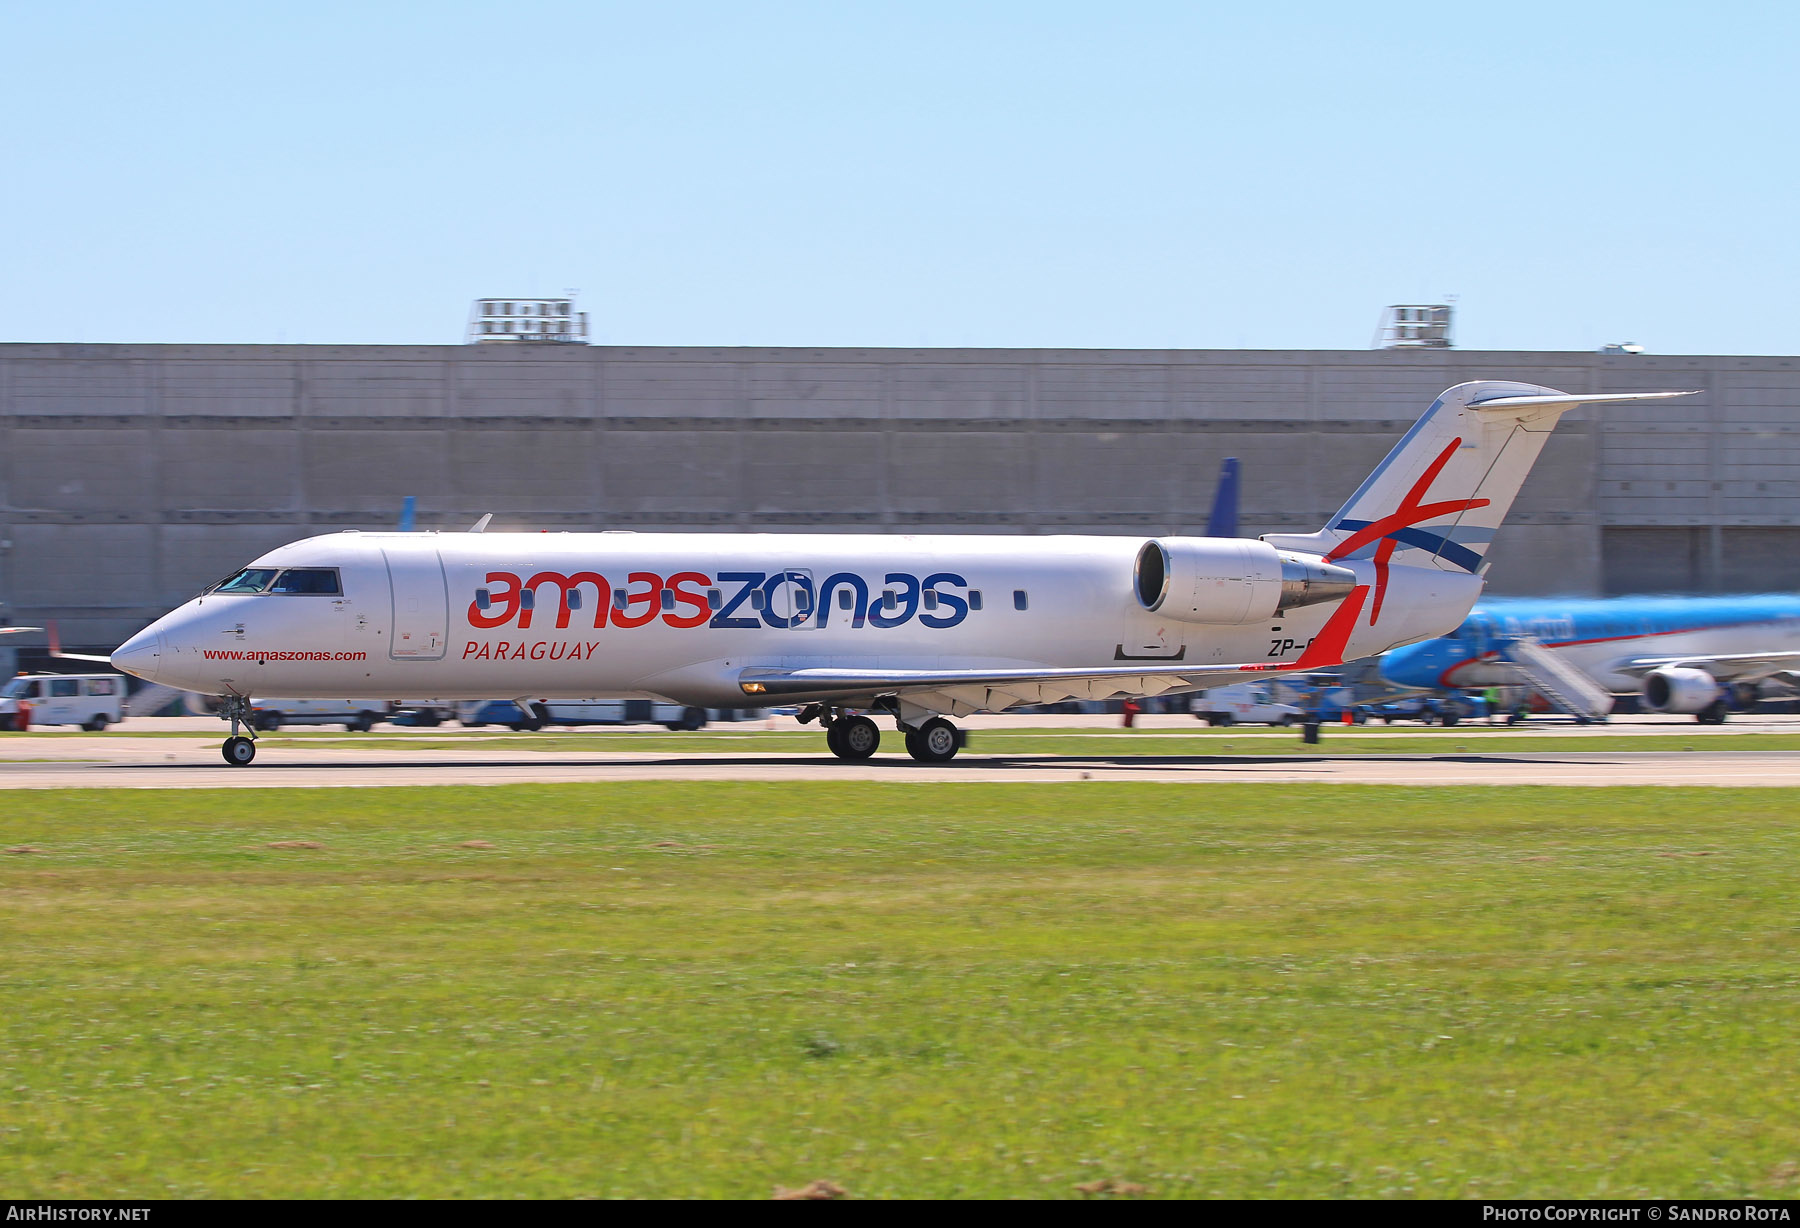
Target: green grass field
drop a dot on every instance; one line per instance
(913, 990)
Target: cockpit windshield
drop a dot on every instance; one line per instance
(311, 581)
(302, 581)
(249, 580)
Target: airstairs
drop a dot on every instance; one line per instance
(1562, 684)
(153, 698)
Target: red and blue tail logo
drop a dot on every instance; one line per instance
(1400, 528)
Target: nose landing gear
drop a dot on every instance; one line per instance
(238, 749)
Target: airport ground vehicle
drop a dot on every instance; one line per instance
(1247, 703)
(356, 715)
(92, 701)
(1426, 709)
(585, 712)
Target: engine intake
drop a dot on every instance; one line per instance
(1231, 580)
(1674, 689)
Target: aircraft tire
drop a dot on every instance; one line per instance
(1714, 713)
(936, 741)
(238, 751)
(854, 738)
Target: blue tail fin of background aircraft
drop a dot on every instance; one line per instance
(1224, 519)
(407, 511)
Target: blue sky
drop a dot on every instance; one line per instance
(1031, 174)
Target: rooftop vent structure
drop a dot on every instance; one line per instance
(1415, 327)
(538, 321)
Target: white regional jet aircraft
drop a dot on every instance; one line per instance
(917, 628)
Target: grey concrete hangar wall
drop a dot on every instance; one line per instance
(133, 475)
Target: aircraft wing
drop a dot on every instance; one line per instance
(1726, 667)
(962, 691)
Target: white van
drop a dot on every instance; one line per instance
(672, 717)
(1245, 703)
(356, 715)
(92, 701)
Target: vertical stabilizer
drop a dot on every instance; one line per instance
(1439, 496)
(1224, 519)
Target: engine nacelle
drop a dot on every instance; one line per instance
(1673, 689)
(1227, 581)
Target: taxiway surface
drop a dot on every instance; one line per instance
(184, 762)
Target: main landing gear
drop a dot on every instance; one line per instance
(855, 738)
(238, 749)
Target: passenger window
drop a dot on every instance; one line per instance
(757, 598)
(100, 686)
(931, 599)
(621, 599)
(715, 598)
(1020, 601)
(668, 599)
(974, 599)
(308, 582)
(482, 600)
(574, 599)
(845, 601)
(62, 688)
(528, 599)
(889, 600)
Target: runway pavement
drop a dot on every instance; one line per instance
(182, 761)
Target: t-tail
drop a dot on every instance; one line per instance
(1438, 498)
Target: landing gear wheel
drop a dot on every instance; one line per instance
(936, 741)
(1714, 713)
(238, 751)
(853, 738)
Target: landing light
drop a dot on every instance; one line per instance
(754, 688)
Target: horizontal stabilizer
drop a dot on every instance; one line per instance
(1565, 400)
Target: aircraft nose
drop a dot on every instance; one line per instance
(141, 655)
(1400, 667)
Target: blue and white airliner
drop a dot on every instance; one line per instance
(1680, 654)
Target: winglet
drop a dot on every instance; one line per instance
(481, 525)
(57, 652)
